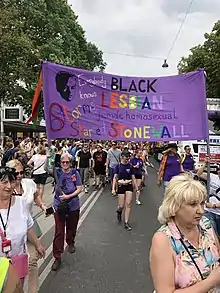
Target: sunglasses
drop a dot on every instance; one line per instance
(19, 173)
(65, 162)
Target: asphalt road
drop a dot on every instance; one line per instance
(109, 259)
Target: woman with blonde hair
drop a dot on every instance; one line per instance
(27, 188)
(184, 255)
(38, 162)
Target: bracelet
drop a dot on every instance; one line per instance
(214, 206)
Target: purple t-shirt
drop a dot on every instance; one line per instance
(124, 171)
(134, 161)
(188, 163)
(67, 183)
(172, 168)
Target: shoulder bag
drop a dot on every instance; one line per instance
(19, 262)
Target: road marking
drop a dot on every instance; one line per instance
(47, 269)
(50, 248)
(89, 207)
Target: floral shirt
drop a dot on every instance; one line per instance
(206, 256)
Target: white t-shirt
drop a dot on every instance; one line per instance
(29, 189)
(19, 222)
(39, 160)
(214, 185)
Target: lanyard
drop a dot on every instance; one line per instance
(4, 225)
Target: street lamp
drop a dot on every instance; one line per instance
(165, 65)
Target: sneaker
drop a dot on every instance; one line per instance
(119, 215)
(138, 202)
(56, 264)
(127, 227)
(86, 190)
(71, 248)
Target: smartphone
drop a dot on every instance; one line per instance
(50, 211)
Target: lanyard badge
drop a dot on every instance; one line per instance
(6, 246)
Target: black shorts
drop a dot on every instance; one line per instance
(99, 170)
(123, 188)
(138, 176)
(40, 178)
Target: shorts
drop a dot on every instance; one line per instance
(123, 188)
(138, 176)
(40, 178)
(99, 170)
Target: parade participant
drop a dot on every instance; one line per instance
(125, 180)
(27, 188)
(99, 161)
(38, 163)
(137, 164)
(212, 208)
(84, 165)
(14, 213)
(113, 158)
(184, 255)
(66, 206)
(170, 165)
(187, 159)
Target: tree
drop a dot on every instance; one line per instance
(206, 56)
(32, 30)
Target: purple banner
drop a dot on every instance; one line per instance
(93, 105)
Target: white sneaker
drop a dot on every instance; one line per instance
(86, 190)
(138, 202)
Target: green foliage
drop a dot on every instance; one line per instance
(34, 30)
(206, 56)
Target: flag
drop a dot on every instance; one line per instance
(36, 100)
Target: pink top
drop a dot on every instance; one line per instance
(206, 256)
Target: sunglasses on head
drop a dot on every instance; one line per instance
(7, 173)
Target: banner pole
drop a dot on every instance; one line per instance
(208, 151)
(208, 169)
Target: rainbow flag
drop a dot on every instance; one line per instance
(36, 101)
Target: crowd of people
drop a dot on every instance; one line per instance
(184, 254)
(25, 166)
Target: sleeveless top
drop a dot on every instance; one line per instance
(206, 256)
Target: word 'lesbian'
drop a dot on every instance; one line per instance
(115, 101)
(141, 85)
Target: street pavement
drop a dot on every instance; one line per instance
(108, 259)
